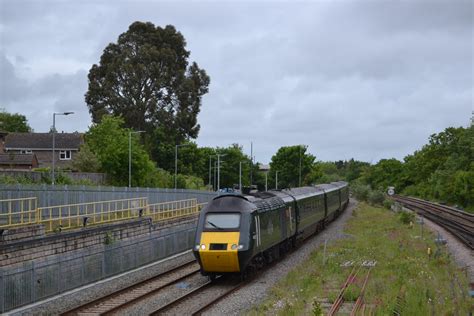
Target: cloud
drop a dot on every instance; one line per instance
(363, 79)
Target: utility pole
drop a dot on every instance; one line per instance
(299, 178)
(276, 180)
(130, 156)
(210, 160)
(266, 180)
(54, 143)
(251, 163)
(219, 170)
(240, 176)
(215, 175)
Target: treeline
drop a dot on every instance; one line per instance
(442, 170)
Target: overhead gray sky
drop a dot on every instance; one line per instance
(363, 79)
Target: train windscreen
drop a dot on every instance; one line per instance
(221, 221)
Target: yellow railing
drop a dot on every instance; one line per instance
(61, 217)
(17, 212)
(171, 210)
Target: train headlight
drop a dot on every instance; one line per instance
(197, 247)
(203, 246)
(233, 247)
(241, 247)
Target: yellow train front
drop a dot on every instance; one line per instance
(223, 243)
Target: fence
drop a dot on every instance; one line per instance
(61, 217)
(37, 281)
(49, 195)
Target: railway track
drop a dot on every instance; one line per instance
(134, 294)
(201, 298)
(458, 223)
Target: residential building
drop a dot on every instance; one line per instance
(41, 145)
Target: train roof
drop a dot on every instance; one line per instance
(328, 187)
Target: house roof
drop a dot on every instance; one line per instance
(17, 159)
(43, 141)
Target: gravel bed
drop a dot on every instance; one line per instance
(166, 295)
(66, 301)
(254, 293)
(462, 255)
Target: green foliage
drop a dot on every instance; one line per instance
(317, 310)
(13, 122)
(287, 162)
(360, 191)
(376, 197)
(109, 141)
(86, 160)
(351, 293)
(406, 217)
(387, 203)
(145, 77)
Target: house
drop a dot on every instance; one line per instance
(18, 161)
(41, 145)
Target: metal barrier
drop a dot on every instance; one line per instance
(17, 212)
(172, 210)
(35, 281)
(61, 217)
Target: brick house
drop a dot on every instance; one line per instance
(41, 145)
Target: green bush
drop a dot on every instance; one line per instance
(387, 203)
(406, 217)
(376, 197)
(360, 191)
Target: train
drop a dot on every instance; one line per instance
(240, 233)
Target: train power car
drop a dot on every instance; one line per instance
(238, 233)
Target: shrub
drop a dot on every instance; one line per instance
(406, 217)
(376, 197)
(361, 192)
(387, 203)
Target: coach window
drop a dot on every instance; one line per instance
(65, 155)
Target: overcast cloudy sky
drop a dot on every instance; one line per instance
(363, 79)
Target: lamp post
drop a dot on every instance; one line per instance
(299, 178)
(210, 161)
(130, 156)
(54, 141)
(219, 170)
(176, 164)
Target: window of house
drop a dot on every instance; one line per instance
(65, 155)
(26, 151)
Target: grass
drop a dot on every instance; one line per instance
(405, 277)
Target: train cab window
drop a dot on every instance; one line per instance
(221, 221)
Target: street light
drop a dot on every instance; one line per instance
(176, 164)
(219, 170)
(276, 180)
(130, 156)
(300, 164)
(54, 140)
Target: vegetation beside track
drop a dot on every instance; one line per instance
(405, 278)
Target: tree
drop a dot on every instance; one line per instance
(287, 162)
(13, 123)
(145, 78)
(86, 160)
(109, 141)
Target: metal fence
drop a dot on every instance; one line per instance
(36, 281)
(49, 195)
(17, 212)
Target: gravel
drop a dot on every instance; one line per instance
(254, 293)
(462, 255)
